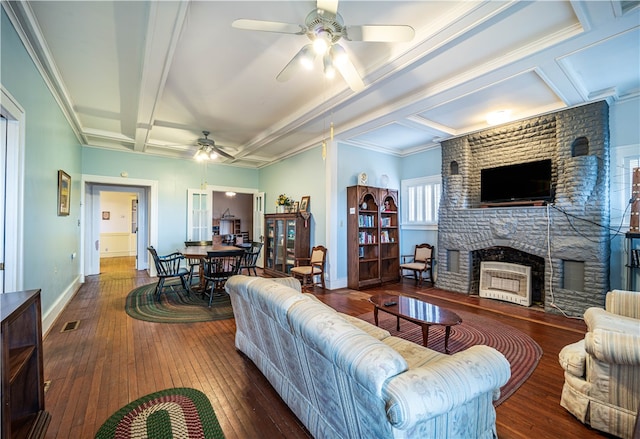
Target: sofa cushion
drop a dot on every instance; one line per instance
(414, 354)
(372, 330)
(367, 360)
(273, 298)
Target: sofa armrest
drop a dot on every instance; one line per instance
(438, 387)
(624, 303)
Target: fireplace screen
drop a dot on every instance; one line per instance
(506, 281)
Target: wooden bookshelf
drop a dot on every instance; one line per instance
(373, 236)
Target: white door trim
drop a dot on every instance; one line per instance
(152, 214)
(14, 201)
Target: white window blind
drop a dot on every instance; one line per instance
(420, 201)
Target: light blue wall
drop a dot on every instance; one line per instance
(423, 164)
(174, 177)
(49, 239)
(301, 175)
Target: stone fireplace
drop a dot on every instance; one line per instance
(565, 242)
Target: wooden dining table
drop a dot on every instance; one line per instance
(201, 251)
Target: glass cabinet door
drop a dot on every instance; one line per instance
(279, 246)
(271, 239)
(290, 246)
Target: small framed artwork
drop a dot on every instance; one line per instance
(64, 193)
(296, 206)
(304, 204)
(106, 215)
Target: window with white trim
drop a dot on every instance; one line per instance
(420, 201)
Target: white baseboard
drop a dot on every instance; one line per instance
(50, 316)
(336, 283)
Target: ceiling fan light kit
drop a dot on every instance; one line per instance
(208, 150)
(325, 27)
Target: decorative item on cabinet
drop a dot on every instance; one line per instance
(373, 236)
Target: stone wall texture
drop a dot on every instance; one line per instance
(574, 227)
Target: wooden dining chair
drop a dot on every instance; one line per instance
(250, 258)
(218, 267)
(194, 263)
(169, 267)
(419, 263)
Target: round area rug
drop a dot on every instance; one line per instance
(174, 413)
(176, 305)
(522, 352)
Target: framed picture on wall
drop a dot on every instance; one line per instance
(106, 215)
(304, 203)
(64, 193)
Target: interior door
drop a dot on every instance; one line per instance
(199, 214)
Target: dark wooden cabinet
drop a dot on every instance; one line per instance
(373, 236)
(23, 414)
(287, 237)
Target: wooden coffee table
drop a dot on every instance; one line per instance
(418, 312)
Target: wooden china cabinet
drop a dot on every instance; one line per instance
(23, 414)
(373, 237)
(287, 237)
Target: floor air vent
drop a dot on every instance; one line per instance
(70, 326)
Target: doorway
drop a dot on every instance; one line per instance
(140, 218)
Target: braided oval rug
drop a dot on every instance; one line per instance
(176, 305)
(522, 352)
(179, 413)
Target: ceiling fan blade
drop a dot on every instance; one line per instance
(380, 33)
(292, 66)
(222, 153)
(269, 26)
(328, 5)
(350, 75)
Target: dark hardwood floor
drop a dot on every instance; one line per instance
(112, 359)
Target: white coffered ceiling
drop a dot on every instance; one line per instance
(149, 77)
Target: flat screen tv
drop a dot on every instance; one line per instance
(529, 181)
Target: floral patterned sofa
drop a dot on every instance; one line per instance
(346, 378)
(602, 371)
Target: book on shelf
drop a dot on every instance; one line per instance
(385, 222)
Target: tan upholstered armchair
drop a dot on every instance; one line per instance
(602, 371)
(419, 263)
(308, 269)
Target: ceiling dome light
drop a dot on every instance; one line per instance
(498, 117)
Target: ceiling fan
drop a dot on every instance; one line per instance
(325, 27)
(208, 150)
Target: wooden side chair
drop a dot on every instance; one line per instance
(308, 268)
(419, 263)
(169, 267)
